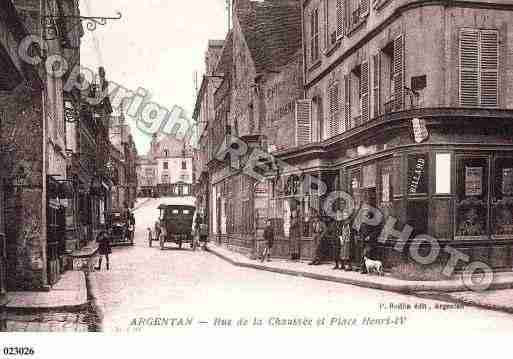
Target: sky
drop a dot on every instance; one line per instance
(157, 45)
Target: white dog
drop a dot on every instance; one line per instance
(373, 266)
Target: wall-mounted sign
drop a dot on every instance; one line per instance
(420, 132)
(417, 169)
(473, 181)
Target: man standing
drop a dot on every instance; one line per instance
(269, 240)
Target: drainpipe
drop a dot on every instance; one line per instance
(43, 194)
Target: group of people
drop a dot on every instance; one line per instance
(334, 240)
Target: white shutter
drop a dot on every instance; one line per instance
(340, 18)
(376, 74)
(469, 67)
(399, 73)
(333, 108)
(303, 122)
(489, 79)
(364, 92)
(347, 101)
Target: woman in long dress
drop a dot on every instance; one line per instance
(295, 235)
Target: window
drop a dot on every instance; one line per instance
(472, 195)
(314, 35)
(354, 88)
(184, 165)
(358, 11)
(391, 75)
(479, 63)
(165, 165)
(443, 173)
(166, 153)
(165, 179)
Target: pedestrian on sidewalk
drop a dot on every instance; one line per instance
(269, 241)
(368, 238)
(295, 236)
(322, 244)
(339, 231)
(104, 249)
(157, 230)
(150, 236)
(203, 233)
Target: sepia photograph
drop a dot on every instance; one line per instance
(325, 166)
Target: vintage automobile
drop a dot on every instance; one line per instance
(176, 223)
(118, 230)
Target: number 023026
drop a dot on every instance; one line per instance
(18, 351)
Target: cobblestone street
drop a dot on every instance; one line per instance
(147, 283)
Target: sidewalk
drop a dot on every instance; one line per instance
(69, 293)
(324, 272)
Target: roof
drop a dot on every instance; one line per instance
(224, 65)
(272, 30)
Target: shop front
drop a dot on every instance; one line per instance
(458, 195)
(292, 207)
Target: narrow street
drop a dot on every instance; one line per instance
(147, 283)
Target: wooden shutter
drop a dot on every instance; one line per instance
(303, 122)
(334, 107)
(340, 18)
(364, 8)
(347, 100)
(364, 92)
(376, 78)
(399, 73)
(469, 67)
(489, 79)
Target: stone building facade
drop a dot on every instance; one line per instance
(204, 115)
(122, 163)
(260, 53)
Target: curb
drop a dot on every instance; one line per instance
(403, 289)
(93, 301)
(67, 308)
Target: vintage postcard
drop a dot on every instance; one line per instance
(326, 166)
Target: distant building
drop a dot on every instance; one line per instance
(167, 169)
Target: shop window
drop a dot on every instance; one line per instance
(472, 197)
(443, 173)
(418, 174)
